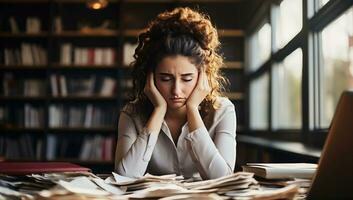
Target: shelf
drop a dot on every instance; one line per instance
(102, 130)
(235, 95)
(290, 147)
(22, 130)
(231, 33)
(182, 1)
(84, 162)
(132, 32)
(25, 1)
(147, 1)
(108, 33)
(22, 98)
(80, 1)
(24, 35)
(233, 65)
(82, 98)
(221, 32)
(88, 67)
(22, 67)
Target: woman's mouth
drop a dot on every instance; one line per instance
(177, 100)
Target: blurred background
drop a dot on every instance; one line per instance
(64, 72)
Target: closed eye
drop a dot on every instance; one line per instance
(166, 78)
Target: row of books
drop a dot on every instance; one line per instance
(33, 116)
(26, 87)
(23, 146)
(33, 25)
(70, 54)
(27, 54)
(90, 148)
(29, 116)
(51, 147)
(34, 54)
(82, 86)
(81, 116)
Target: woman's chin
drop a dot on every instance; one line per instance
(176, 106)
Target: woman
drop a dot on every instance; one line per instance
(178, 122)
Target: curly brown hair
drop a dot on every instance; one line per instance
(182, 31)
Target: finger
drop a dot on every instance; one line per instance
(200, 78)
(204, 79)
(150, 79)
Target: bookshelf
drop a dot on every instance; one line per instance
(78, 77)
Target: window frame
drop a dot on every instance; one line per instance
(314, 19)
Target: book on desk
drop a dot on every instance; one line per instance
(24, 168)
(281, 170)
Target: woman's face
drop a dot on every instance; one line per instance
(176, 78)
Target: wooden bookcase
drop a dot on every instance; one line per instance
(126, 19)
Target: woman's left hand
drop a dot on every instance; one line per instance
(199, 93)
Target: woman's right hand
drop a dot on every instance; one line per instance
(153, 94)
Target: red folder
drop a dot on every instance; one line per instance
(23, 168)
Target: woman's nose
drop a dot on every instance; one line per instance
(176, 89)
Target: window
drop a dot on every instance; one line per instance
(260, 47)
(322, 2)
(286, 92)
(309, 65)
(336, 72)
(259, 103)
(289, 21)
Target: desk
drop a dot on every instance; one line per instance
(85, 185)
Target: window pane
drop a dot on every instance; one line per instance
(286, 85)
(337, 64)
(322, 3)
(289, 21)
(260, 47)
(259, 103)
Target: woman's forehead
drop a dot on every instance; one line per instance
(176, 65)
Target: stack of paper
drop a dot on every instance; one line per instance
(236, 181)
(132, 184)
(281, 170)
(88, 186)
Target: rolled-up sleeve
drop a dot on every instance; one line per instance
(215, 158)
(134, 150)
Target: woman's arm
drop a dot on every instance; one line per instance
(215, 158)
(134, 150)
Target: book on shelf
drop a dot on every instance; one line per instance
(54, 85)
(23, 147)
(108, 87)
(27, 54)
(86, 56)
(98, 147)
(22, 87)
(13, 25)
(34, 116)
(33, 87)
(58, 27)
(82, 86)
(33, 25)
(66, 54)
(81, 116)
(281, 170)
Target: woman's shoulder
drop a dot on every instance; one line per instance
(130, 110)
(223, 103)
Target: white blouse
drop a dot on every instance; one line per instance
(209, 150)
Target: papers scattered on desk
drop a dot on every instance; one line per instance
(281, 170)
(88, 186)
